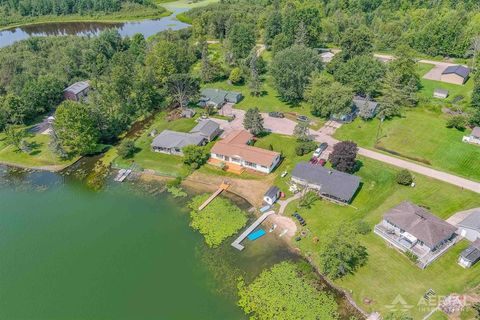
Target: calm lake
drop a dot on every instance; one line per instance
(122, 253)
(145, 27)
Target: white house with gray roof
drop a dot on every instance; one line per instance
(469, 227)
(331, 184)
(217, 97)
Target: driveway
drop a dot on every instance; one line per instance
(458, 217)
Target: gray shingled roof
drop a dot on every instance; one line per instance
(420, 223)
(472, 221)
(173, 139)
(462, 71)
(367, 106)
(472, 253)
(78, 87)
(331, 182)
(216, 96)
(441, 91)
(206, 127)
(272, 192)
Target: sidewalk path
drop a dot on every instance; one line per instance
(284, 203)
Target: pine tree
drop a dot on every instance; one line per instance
(301, 34)
(255, 84)
(206, 68)
(253, 121)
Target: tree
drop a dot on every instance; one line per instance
(12, 109)
(474, 119)
(304, 147)
(342, 253)
(76, 128)
(42, 94)
(362, 73)
(291, 69)
(182, 88)
(127, 148)
(195, 156)
(253, 121)
(395, 95)
(236, 75)
(457, 121)
(356, 42)
(269, 296)
(302, 131)
(476, 90)
(241, 40)
(273, 24)
(343, 156)
(14, 136)
(404, 177)
(206, 72)
(328, 97)
(255, 84)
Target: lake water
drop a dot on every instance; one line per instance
(122, 253)
(145, 27)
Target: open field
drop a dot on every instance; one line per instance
(40, 157)
(419, 134)
(389, 273)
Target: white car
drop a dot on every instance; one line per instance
(317, 153)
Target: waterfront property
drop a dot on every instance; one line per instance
(172, 142)
(331, 184)
(411, 228)
(469, 227)
(236, 154)
(217, 98)
(474, 137)
(456, 74)
(471, 255)
(77, 91)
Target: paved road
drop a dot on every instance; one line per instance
(286, 126)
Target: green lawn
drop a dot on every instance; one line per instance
(40, 157)
(428, 86)
(162, 164)
(422, 134)
(389, 273)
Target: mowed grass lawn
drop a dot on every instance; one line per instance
(428, 86)
(163, 164)
(388, 273)
(40, 155)
(421, 133)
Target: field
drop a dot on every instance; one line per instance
(389, 273)
(40, 157)
(421, 134)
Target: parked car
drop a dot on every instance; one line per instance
(323, 146)
(302, 118)
(299, 218)
(322, 162)
(276, 114)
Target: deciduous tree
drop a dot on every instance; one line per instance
(253, 121)
(343, 156)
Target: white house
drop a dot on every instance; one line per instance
(235, 151)
(272, 195)
(474, 137)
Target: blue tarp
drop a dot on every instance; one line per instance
(255, 235)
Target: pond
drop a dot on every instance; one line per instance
(121, 253)
(147, 27)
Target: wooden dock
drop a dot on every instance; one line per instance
(236, 244)
(122, 175)
(223, 186)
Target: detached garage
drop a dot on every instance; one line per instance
(456, 74)
(469, 227)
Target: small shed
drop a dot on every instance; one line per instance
(471, 255)
(77, 91)
(440, 93)
(188, 113)
(272, 195)
(326, 57)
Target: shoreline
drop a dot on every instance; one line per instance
(76, 18)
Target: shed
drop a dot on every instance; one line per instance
(272, 195)
(440, 93)
(326, 57)
(471, 255)
(188, 113)
(456, 74)
(77, 91)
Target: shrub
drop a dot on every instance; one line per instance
(308, 199)
(363, 227)
(235, 75)
(458, 122)
(126, 149)
(304, 147)
(411, 256)
(404, 177)
(195, 156)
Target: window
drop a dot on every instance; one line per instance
(250, 164)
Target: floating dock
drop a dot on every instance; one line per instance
(236, 244)
(257, 234)
(122, 175)
(223, 186)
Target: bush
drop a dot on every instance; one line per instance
(195, 156)
(363, 228)
(308, 199)
(411, 256)
(126, 149)
(458, 122)
(404, 177)
(235, 75)
(305, 147)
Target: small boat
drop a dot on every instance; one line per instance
(284, 232)
(273, 228)
(255, 235)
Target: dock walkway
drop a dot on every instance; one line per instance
(236, 244)
(223, 186)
